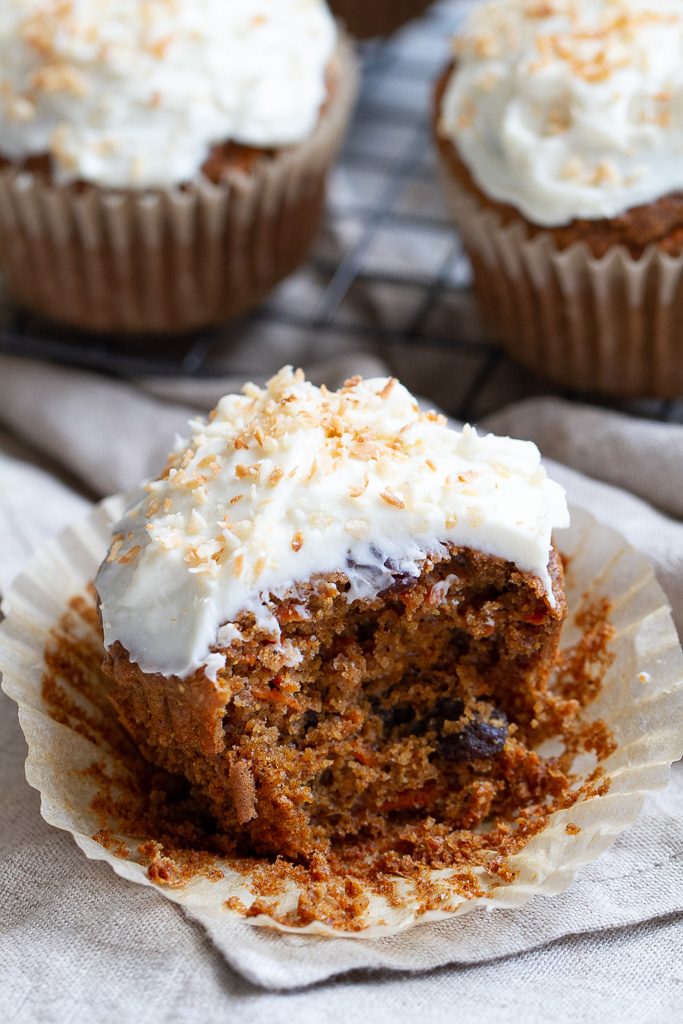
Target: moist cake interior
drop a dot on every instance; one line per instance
(368, 719)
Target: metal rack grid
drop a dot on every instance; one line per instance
(388, 276)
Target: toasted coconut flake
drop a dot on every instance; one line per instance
(388, 387)
(129, 555)
(392, 499)
(359, 490)
(116, 546)
(474, 516)
(197, 522)
(358, 528)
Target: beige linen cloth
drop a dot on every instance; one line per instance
(77, 943)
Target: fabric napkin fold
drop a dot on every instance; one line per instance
(75, 437)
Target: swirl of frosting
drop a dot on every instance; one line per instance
(570, 109)
(134, 93)
(290, 481)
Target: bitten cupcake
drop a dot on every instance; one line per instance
(560, 132)
(336, 617)
(367, 18)
(163, 165)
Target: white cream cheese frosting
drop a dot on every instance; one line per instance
(292, 480)
(570, 109)
(134, 93)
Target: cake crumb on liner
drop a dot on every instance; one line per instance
(640, 700)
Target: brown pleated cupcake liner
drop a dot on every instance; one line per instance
(367, 18)
(73, 746)
(172, 260)
(609, 324)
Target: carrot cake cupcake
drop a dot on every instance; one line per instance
(162, 165)
(560, 131)
(333, 614)
(367, 18)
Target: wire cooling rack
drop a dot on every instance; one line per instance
(388, 276)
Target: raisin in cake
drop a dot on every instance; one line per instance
(332, 612)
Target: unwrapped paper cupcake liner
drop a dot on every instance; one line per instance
(641, 701)
(171, 260)
(367, 18)
(608, 324)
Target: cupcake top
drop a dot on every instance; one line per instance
(570, 109)
(290, 481)
(134, 93)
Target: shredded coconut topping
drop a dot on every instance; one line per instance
(570, 108)
(134, 93)
(310, 481)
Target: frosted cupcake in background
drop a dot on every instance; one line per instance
(560, 132)
(367, 18)
(162, 165)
